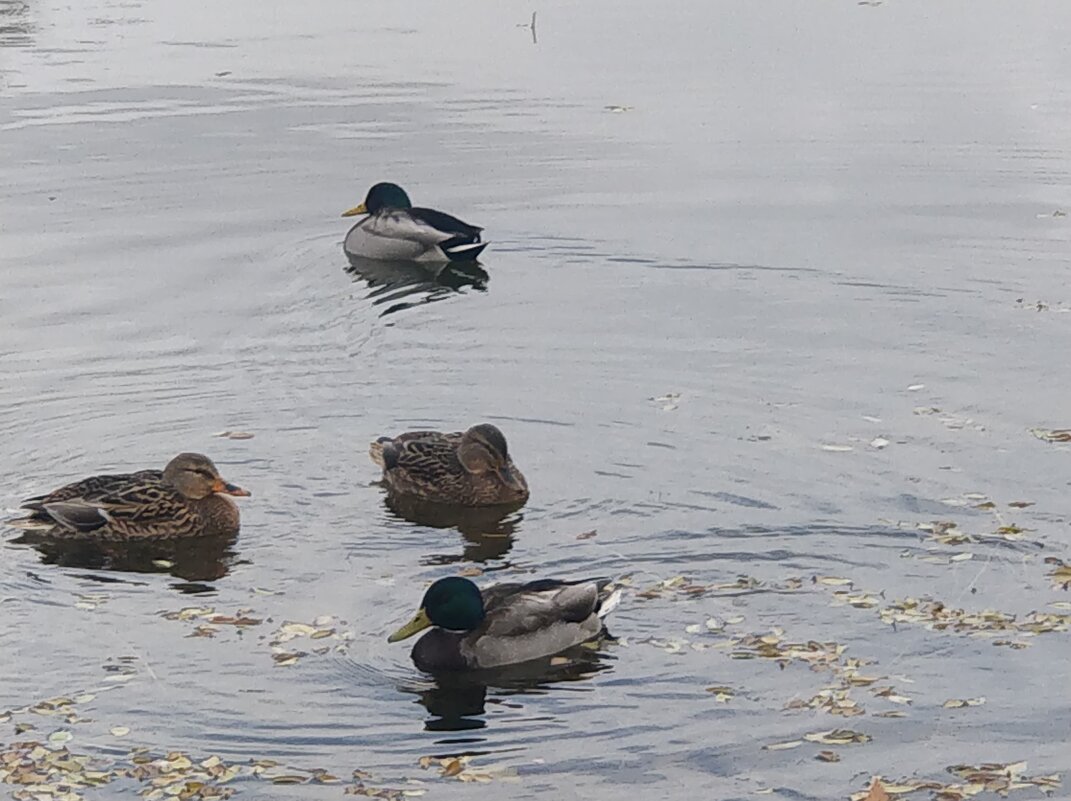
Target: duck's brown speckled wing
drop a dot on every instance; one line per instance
(424, 456)
(93, 488)
(131, 505)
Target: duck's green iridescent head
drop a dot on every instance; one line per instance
(452, 603)
(381, 196)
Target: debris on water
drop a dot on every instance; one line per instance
(837, 448)
(722, 694)
(990, 777)
(827, 756)
(667, 402)
(916, 387)
(959, 703)
(234, 434)
(587, 535)
(616, 109)
(879, 443)
(838, 737)
(1052, 434)
(322, 634)
(460, 768)
(1060, 574)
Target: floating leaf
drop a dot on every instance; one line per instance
(1052, 434)
(959, 703)
(785, 746)
(837, 737)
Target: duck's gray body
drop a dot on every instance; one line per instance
(416, 234)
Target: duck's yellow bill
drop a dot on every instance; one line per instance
(419, 622)
(362, 209)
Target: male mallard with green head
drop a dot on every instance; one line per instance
(185, 499)
(396, 230)
(470, 468)
(504, 624)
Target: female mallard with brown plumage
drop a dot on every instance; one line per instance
(470, 468)
(504, 624)
(185, 499)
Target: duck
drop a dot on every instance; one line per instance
(461, 468)
(185, 499)
(395, 230)
(504, 624)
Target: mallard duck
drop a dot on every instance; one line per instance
(470, 468)
(185, 499)
(395, 230)
(504, 624)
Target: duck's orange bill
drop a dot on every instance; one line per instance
(224, 488)
(362, 209)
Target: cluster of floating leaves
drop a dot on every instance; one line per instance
(460, 768)
(51, 772)
(322, 635)
(684, 588)
(989, 777)
(934, 615)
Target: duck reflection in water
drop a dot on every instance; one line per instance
(404, 284)
(488, 530)
(193, 559)
(459, 701)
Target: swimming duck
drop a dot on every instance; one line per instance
(185, 499)
(470, 468)
(504, 624)
(395, 230)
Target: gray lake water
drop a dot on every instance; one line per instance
(836, 231)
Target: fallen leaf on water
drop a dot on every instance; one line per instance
(452, 767)
(959, 703)
(1020, 504)
(1053, 434)
(782, 746)
(837, 448)
(837, 737)
(879, 442)
(833, 581)
(233, 434)
(877, 791)
(827, 756)
(722, 695)
(586, 535)
(915, 387)
(60, 737)
(470, 571)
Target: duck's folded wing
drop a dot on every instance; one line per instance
(409, 226)
(431, 456)
(142, 502)
(520, 609)
(92, 489)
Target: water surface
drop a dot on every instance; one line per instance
(821, 227)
